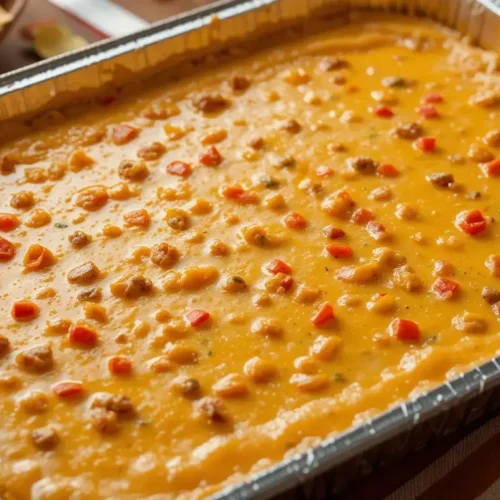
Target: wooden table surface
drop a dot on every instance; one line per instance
(15, 52)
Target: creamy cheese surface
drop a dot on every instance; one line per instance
(202, 278)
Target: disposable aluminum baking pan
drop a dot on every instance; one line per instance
(337, 461)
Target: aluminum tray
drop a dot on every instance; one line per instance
(326, 469)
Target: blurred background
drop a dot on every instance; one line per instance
(32, 29)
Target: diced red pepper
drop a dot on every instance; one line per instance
(120, 365)
(324, 315)
(425, 144)
(7, 250)
(278, 266)
(286, 283)
(237, 193)
(179, 168)
(197, 317)
(445, 289)
(232, 192)
(82, 335)
(362, 216)
(383, 112)
(8, 222)
(25, 310)
(211, 158)
(295, 221)
(432, 98)
(339, 251)
(471, 222)
(68, 389)
(122, 134)
(333, 233)
(387, 170)
(492, 168)
(428, 111)
(404, 329)
(376, 230)
(324, 171)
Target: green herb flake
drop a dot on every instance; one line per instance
(269, 182)
(60, 225)
(394, 81)
(339, 377)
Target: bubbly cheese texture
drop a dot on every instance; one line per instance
(208, 275)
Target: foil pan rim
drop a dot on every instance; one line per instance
(104, 50)
(493, 5)
(354, 441)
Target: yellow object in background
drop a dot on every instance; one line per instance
(55, 39)
(5, 17)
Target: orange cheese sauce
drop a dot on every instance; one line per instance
(212, 274)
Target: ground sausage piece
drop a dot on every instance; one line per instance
(152, 152)
(234, 284)
(37, 258)
(186, 386)
(363, 164)
(333, 64)
(239, 83)
(491, 295)
(45, 439)
(90, 295)
(443, 269)
(292, 126)
(38, 359)
(84, 275)
(92, 198)
(104, 421)
(441, 180)
(394, 81)
(79, 239)
(35, 402)
(492, 138)
(7, 164)
(4, 346)
(480, 154)
(210, 103)
(177, 219)
(117, 403)
(23, 200)
(132, 288)
(133, 170)
(256, 143)
(408, 131)
(164, 255)
(211, 409)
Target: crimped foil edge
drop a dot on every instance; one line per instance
(57, 81)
